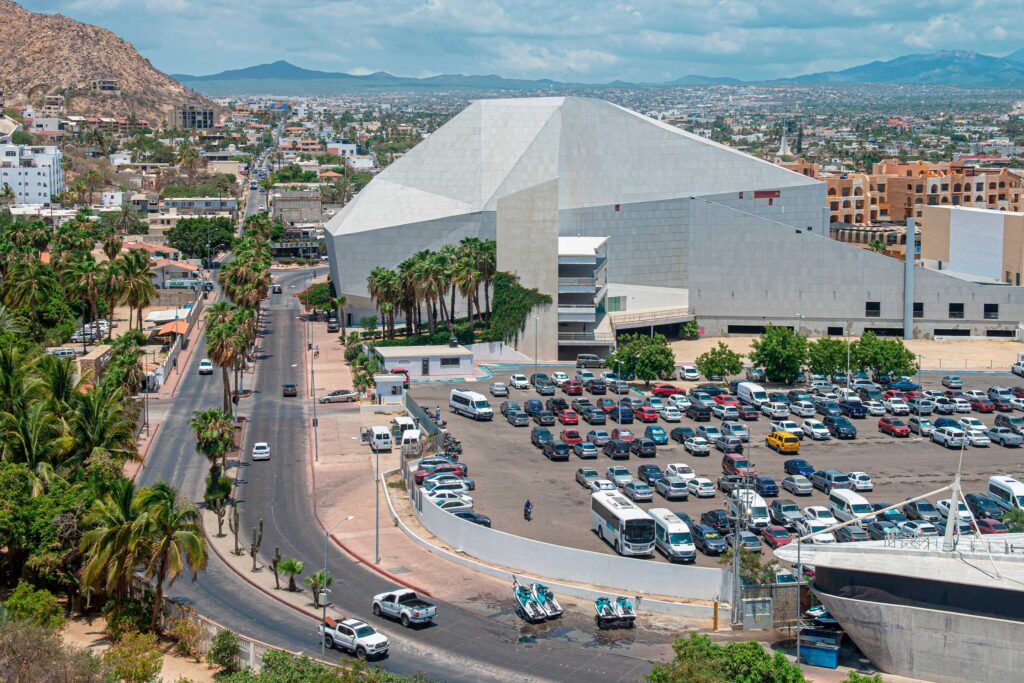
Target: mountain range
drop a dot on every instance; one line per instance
(43, 54)
(956, 68)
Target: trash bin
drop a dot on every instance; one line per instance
(819, 647)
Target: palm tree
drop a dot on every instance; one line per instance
(188, 158)
(385, 288)
(98, 422)
(92, 180)
(338, 303)
(219, 313)
(10, 322)
(88, 277)
(449, 255)
(29, 284)
(139, 290)
(291, 568)
(215, 436)
(467, 279)
(115, 542)
(19, 387)
(222, 348)
(60, 380)
(127, 220)
(37, 439)
(113, 290)
(174, 540)
(111, 242)
(7, 196)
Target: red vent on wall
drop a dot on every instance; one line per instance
(616, 207)
(767, 194)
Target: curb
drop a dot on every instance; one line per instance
(362, 560)
(145, 454)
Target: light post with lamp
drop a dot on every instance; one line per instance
(323, 589)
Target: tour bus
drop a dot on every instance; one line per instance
(1007, 492)
(470, 404)
(846, 505)
(672, 536)
(621, 524)
(750, 393)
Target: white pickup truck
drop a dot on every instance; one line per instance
(405, 605)
(352, 635)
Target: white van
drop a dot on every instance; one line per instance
(1007, 492)
(756, 508)
(400, 425)
(380, 439)
(672, 536)
(846, 505)
(752, 394)
(470, 404)
(412, 443)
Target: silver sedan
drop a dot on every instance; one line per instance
(798, 485)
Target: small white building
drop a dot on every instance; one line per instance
(427, 361)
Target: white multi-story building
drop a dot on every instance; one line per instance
(34, 172)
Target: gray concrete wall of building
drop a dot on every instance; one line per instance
(745, 270)
(933, 645)
(527, 237)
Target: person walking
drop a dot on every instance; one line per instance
(527, 510)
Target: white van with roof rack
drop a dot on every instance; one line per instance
(471, 404)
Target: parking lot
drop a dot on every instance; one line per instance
(508, 469)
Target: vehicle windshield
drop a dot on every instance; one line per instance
(481, 404)
(639, 531)
(840, 479)
(779, 533)
(928, 507)
(680, 539)
(1020, 501)
(759, 396)
(365, 631)
(741, 463)
(791, 508)
(862, 509)
(759, 512)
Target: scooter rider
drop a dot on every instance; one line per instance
(527, 510)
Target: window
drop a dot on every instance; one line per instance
(956, 311)
(872, 309)
(991, 311)
(835, 332)
(450, 362)
(918, 309)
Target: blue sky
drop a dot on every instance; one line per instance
(585, 40)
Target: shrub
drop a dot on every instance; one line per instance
(135, 658)
(38, 607)
(223, 650)
(689, 330)
(132, 617)
(36, 653)
(189, 635)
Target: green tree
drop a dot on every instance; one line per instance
(647, 358)
(781, 352)
(1014, 520)
(136, 658)
(291, 568)
(753, 568)
(699, 660)
(721, 361)
(689, 330)
(884, 355)
(223, 650)
(196, 237)
(855, 677)
(38, 607)
(828, 355)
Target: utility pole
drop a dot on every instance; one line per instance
(323, 590)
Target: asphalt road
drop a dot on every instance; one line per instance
(462, 646)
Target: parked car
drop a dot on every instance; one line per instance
(950, 437)
(991, 526)
(474, 517)
(893, 427)
(826, 480)
(617, 449)
(643, 448)
(802, 408)
(596, 387)
(701, 487)
(585, 450)
(730, 482)
(724, 411)
(499, 389)
(681, 434)
(697, 445)
(851, 534)
(622, 435)
(666, 390)
(708, 540)
(339, 396)
(638, 491)
(602, 485)
(671, 414)
(840, 427)
(618, 475)
(766, 486)
(881, 530)
(983, 507)
(544, 418)
(517, 418)
(405, 606)
(594, 416)
(518, 382)
(688, 373)
(573, 387)
(782, 442)
(853, 408)
(206, 368)
(540, 436)
(982, 405)
(598, 437)
(915, 528)
(747, 412)
(709, 432)
(861, 481)
(673, 488)
(718, 519)
(920, 425)
(815, 430)
(921, 509)
(895, 515)
(656, 434)
(952, 382)
(698, 412)
(747, 540)
(1004, 436)
(775, 410)
(586, 475)
(734, 463)
(1011, 422)
(735, 429)
(775, 536)
(621, 415)
(729, 444)
(785, 513)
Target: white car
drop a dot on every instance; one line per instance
(671, 414)
(689, 373)
(810, 526)
(875, 408)
(962, 511)
(915, 527)
(618, 475)
(821, 514)
(679, 402)
(206, 367)
(775, 410)
(724, 411)
(975, 393)
(788, 426)
(1017, 403)
(697, 445)
(896, 406)
(559, 378)
(971, 424)
(261, 451)
(816, 430)
(933, 394)
(962, 405)
(701, 488)
(518, 382)
(441, 496)
(861, 481)
(802, 408)
(848, 394)
(601, 485)
(681, 470)
(978, 439)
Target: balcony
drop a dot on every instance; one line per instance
(586, 338)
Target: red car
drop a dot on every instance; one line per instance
(955, 393)
(622, 435)
(726, 400)
(893, 426)
(893, 393)
(666, 390)
(775, 536)
(569, 417)
(424, 472)
(1017, 391)
(646, 414)
(573, 387)
(991, 526)
(982, 405)
(1002, 405)
(571, 436)
(912, 394)
(607, 405)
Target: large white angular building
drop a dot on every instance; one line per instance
(692, 227)
(34, 172)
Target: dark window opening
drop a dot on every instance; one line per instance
(991, 311)
(956, 311)
(835, 332)
(886, 331)
(745, 329)
(950, 332)
(872, 309)
(999, 333)
(918, 309)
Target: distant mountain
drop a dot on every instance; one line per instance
(950, 67)
(955, 68)
(43, 54)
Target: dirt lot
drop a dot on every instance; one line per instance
(508, 469)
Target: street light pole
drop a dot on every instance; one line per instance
(376, 510)
(323, 590)
(535, 318)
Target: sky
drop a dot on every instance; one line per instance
(579, 40)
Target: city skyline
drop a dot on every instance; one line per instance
(648, 42)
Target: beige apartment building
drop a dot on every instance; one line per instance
(980, 244)
(895, 191)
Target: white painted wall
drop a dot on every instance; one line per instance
(976, 243)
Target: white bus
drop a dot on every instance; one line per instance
(621, 524)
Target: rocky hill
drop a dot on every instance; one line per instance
(44, 54)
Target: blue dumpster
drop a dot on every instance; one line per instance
(819, 647)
